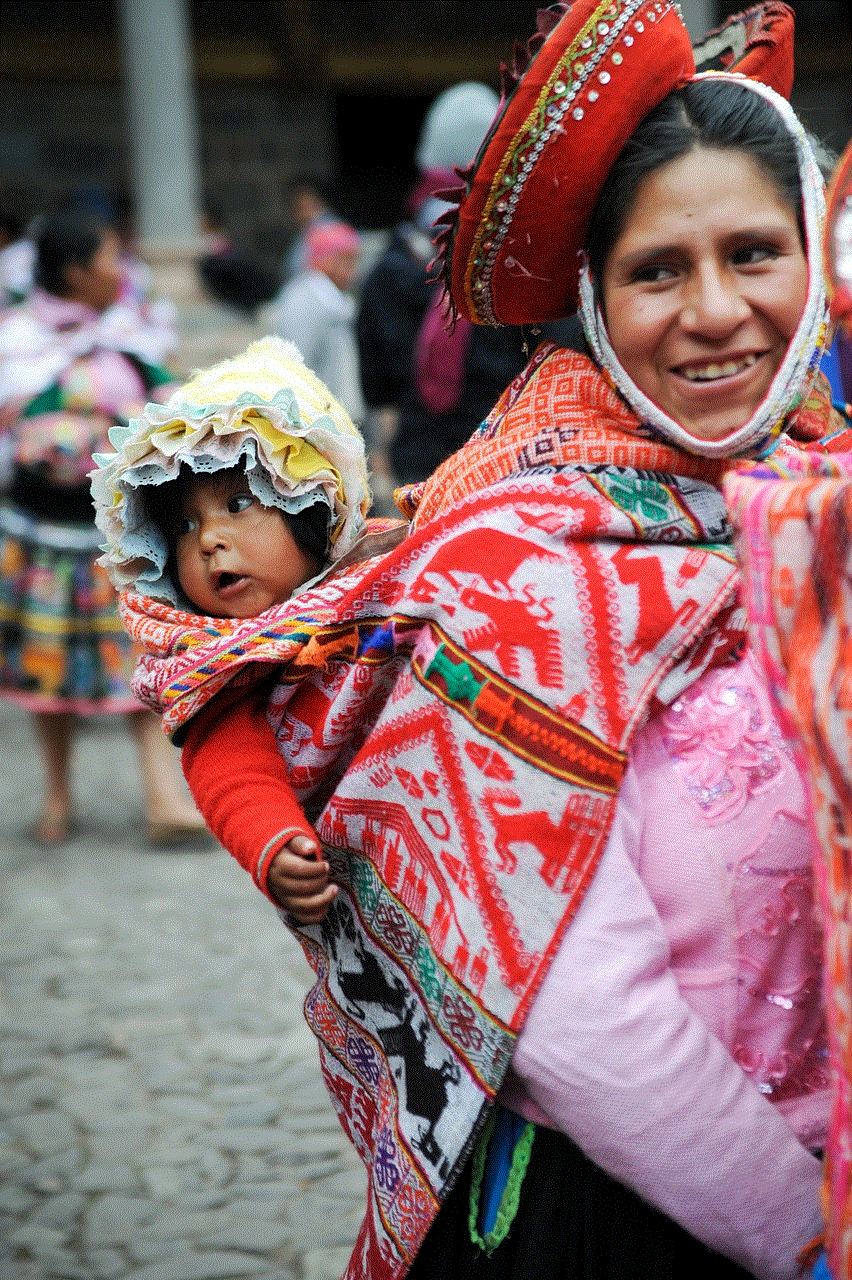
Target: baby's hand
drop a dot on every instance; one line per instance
(298, 880)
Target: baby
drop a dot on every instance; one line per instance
(249, 483)
(233, 557)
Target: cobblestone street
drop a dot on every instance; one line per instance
(162, 1113)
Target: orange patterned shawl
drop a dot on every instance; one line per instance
(795, 537)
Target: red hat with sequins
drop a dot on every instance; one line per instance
(757, 43)
(511, 243)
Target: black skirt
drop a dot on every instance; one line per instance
(573, 1222)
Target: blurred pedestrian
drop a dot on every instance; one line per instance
(16, 259)
(308, 205)
(229, 275)
(836, 362)
(80, 355)
(439, 384)
(316, 311)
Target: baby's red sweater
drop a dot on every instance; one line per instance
(238, 779)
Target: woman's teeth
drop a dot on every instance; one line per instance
(708, 372)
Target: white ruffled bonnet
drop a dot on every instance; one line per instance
(264, 408)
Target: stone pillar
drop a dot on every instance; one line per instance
(160, 100)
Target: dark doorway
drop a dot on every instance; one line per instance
(376, 134)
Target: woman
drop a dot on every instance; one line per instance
(570, 842)
(696, 286)
(316, 310)
(80, 355)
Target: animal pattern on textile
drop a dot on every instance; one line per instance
(455, 717)
(457, 734)
(795, 522)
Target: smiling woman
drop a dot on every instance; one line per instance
(699, 276)
(569, 987)
(698, 247)
(702, 302)
(704, 289)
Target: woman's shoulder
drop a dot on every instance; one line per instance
(31, 354)
(20, 330)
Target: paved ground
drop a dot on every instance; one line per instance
(162, 1115)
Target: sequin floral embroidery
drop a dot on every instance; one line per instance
(724, 747)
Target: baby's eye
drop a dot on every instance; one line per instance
(239, 502)
(185, 526)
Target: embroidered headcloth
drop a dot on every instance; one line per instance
(265, 410)
(584, 82)
(795, 375)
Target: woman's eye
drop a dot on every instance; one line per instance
(653, 273)
(754, 253)
(239, 502)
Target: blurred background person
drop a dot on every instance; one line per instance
(227, 274)
(437, 385)
(836, 361)
(316, 311)
(79, 356)
(308, 204)
(116, 210)
(16, 259)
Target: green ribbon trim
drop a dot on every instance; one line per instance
(508, 1208)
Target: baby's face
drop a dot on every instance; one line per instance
(234, 556)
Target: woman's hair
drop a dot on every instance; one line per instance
(62, 241)
(704, 113)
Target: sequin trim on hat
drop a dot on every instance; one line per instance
(580, 81)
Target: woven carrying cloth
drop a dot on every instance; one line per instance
(456, 716)
(795, 523)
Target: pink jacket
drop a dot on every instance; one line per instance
(679, 1036)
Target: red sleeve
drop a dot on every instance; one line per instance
(239, 781)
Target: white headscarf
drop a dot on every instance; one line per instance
(797, 370)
